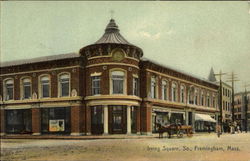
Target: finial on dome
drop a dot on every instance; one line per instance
(112, 14)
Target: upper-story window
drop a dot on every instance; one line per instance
(196, 97)
(182, 94)
(96, 81)
(153, 87)
(64, 85)
(164, 90)
(44, 87)
(214, 101)
(202, 99)
(9, 89)
(174, 92)
(117, 80)
(26, 88)
(135, 86)
(208, 100)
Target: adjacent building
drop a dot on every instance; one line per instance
(226, 100)
(242, 109)
(106, 88)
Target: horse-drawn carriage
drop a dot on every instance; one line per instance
(173, 129)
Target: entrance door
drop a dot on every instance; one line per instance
(190, 118)
(97, 120)
(118, 119)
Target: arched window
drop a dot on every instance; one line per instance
(208, 100)
(136, 86)
(182, 94)
(64, 85)
(174, 92)
(196, 97)
(117, 82)
(9, 89)
(26, 88)
(164, 89)
(202, 98)
(153, 87)
(44, 86)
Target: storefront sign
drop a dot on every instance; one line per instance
(56, 125)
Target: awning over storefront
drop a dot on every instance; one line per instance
(203, 117)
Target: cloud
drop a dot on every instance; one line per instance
(149, 35)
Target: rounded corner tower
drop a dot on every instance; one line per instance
(109, 43)
(112, 82)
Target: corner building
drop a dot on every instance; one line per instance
(106, 88)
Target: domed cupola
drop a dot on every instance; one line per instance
(111, 41)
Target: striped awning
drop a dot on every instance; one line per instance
(203, 117)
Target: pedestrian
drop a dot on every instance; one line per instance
(218, 130)
(208, 128)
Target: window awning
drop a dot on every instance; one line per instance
(203, 117)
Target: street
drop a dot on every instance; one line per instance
(199, 147)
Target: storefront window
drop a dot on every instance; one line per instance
(18, 121)
(97, 120)
(177, 118)
(56, 120)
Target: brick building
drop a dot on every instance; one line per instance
(106, 88)
(241, 113)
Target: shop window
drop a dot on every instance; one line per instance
(44, 87)
(55, 120)
(97, 120)
(9, 89)
(26, 88)
(96, 85)
(135, 86)
(134, 118)
(64, 85)
(164, 90)
(117, 82)
(18, 121)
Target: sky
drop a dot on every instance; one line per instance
(188, 36)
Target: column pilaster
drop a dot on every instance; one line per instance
(105, 121)
(128, 120)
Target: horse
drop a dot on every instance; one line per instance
(174, 129)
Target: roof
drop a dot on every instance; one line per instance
(179, 71)
(112, 35)
(211, 76)
(39, 59)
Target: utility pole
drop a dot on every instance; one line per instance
(232, 79)
(246, 106)
(220, 97)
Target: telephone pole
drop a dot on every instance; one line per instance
(220, 97)
(232, 79)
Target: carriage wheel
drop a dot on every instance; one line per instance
(179, 134)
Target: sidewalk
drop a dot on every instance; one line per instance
(90, 137)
